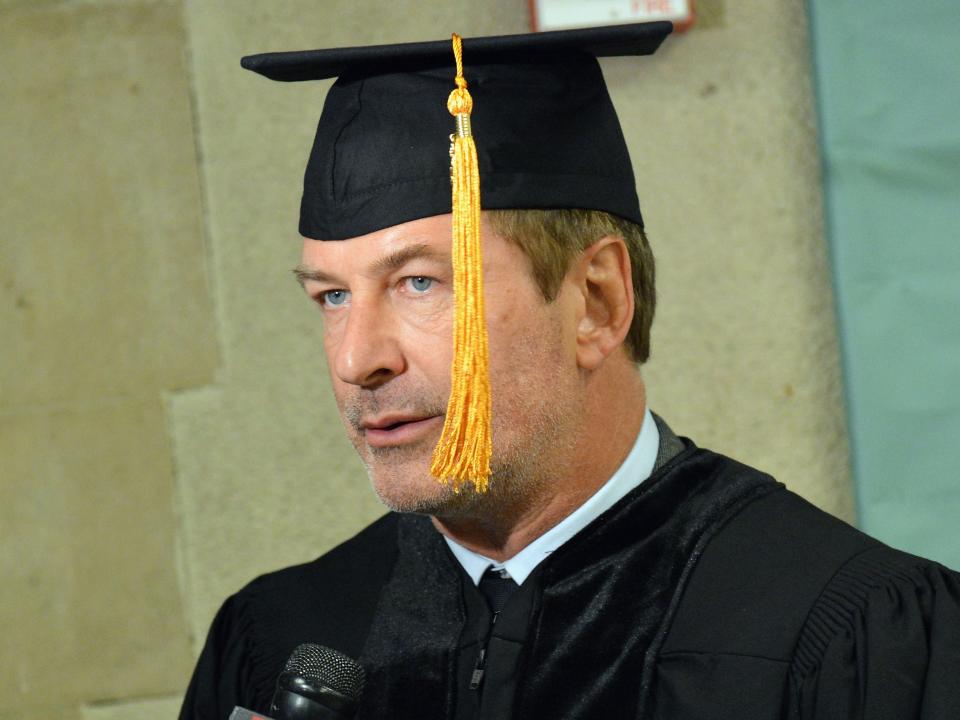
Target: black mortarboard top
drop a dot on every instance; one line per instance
(547, 135)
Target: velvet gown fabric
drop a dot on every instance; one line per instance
(708, 592)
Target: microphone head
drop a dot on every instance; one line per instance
(323, 666)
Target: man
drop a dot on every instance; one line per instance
(610, 569)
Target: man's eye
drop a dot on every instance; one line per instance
(419, 283)
(334, 298)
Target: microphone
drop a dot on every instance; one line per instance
(317, 683)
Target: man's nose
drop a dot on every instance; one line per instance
(369, 352)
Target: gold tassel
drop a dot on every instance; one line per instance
(464, 450)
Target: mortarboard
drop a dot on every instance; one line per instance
(547, 137)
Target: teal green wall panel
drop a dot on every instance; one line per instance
(888, 87)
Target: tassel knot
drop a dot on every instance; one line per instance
(460, 102)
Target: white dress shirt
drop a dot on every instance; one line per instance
(634, 470)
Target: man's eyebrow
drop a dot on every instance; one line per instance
(303, 273)
(381, 266)
(399, 258)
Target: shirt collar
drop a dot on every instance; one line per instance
(634, 470)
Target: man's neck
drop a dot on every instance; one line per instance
(610, 426)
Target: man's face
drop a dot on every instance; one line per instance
(387, 302)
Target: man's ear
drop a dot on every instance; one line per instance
(603, 278)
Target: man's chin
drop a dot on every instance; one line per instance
(421, 493)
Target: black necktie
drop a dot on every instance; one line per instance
(496, 588)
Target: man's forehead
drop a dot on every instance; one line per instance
(427, 238)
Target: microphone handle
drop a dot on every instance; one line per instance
(289, 705)
(240, 713)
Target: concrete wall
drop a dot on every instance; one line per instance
(166, 431)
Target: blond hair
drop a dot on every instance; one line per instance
(552, 239)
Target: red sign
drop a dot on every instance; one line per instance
(565, 14)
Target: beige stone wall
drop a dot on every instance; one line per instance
(166, 431)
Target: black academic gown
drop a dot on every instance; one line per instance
(709, 591)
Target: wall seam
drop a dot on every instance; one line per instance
(181, 552)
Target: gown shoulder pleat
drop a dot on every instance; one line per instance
(882, 641)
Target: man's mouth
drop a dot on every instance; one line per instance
(394, 430)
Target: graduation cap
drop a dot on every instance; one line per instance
(547, 136)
